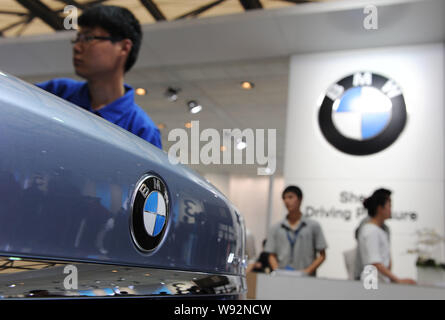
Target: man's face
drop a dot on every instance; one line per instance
(98, 57)
(291, 201)
(386, 209)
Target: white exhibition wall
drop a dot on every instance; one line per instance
(412, 167)
(250, 195)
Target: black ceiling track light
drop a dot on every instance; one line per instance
(194, 107)
(172, 93)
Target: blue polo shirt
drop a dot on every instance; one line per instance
(123, 112)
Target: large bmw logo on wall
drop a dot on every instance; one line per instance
(362, 113)
(150, 212)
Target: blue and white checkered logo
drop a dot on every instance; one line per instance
(150, 212)
(154, 213)
(362, 113)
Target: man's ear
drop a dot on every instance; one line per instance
(126, 46)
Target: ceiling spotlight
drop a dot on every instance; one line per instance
(188, 125)
(141, 91)
(194, 107)
(161, 126)
(247, 85)
(241, 144)
(172, 93)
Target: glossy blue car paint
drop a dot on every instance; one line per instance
(67, 178)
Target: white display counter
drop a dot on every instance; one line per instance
(288, 287)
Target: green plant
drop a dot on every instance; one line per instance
(429, 263)
(427, 242)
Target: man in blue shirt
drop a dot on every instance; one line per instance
(106, 47)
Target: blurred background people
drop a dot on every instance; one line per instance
(296, 243)
(262, 263)
(250, 246)
(373, 240)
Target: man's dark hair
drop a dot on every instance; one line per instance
(119, 22)
(293, 189)
(378, 198)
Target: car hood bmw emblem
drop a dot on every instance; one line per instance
(150, 212)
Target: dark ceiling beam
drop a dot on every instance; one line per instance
(200, 10)
(298, 1)
(251, 4)
(92, 3)
(73, 3)
(24, 26)
(153, 9)
(12, 25)
(21, 14)
(40, 10)
(78, 5)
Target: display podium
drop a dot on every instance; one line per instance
(286, 286)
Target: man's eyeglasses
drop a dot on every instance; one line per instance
(88, 38)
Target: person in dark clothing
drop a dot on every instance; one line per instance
(262, 263)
